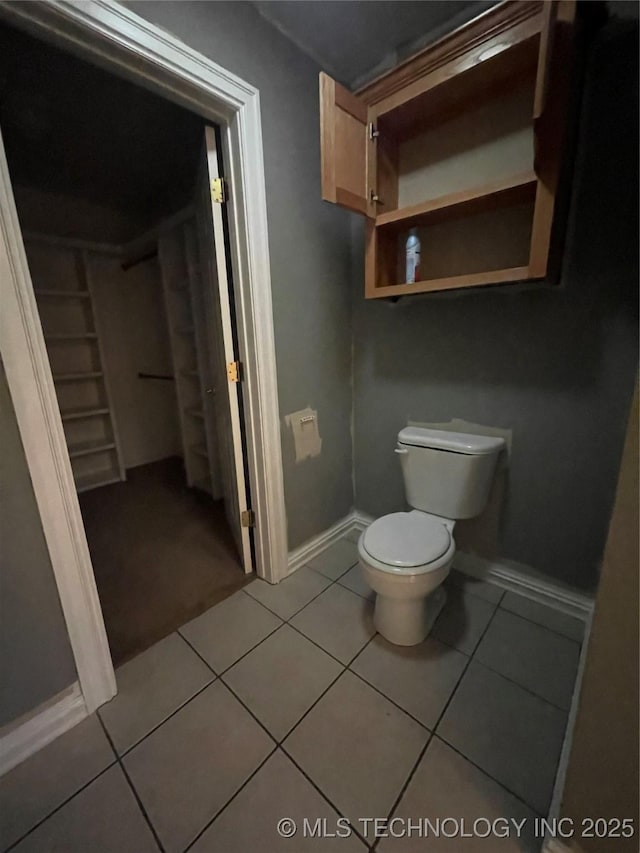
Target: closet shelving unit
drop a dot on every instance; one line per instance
(61, 274)
(182, 287)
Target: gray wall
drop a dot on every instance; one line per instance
(554, 366)
(35, 655)
(309, 242)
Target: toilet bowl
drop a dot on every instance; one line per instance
(405, 557)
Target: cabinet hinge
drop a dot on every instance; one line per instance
(234, 371)
(248, 518)
(373, 133)
(218, 191)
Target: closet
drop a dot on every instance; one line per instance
(118, 196)
(109, 362)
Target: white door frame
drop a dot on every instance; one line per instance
(121, 41)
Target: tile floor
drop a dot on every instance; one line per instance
(284, 702)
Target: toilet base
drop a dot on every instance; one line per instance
(407, 622)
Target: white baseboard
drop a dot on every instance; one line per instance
(510, 575)
(526, 582)
(301, 555)
(563, 763)
(29, 734)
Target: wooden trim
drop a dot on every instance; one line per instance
(35, 403)
(549, 16)
(522, 185)
(327, 138)
(481, 279)
(34, 731)
(349, 103)
(350, 200)
(450, 47)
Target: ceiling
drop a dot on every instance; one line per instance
(137, 152)
(351, 40)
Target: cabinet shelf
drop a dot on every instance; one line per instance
(77, 414)
(88, 447)
(512, 190)
(85, 482)
(481, 279)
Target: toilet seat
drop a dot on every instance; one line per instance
(407, 543)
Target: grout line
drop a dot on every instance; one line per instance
(163, 721)
(397, 800)
(61, 805)
(354, 831)
(133, 790)
(388, 698)
(542, 627)
(528, 690)
(488, 775)
(435, 727)
(230, 800)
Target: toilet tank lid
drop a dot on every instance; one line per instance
(454, 442)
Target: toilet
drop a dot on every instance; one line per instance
(405, 556)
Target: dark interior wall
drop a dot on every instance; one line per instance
(555, 366)
(36, 661)
(309, 244)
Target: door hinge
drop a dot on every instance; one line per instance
(218, 191)
(234, 371)
(248, 518)
(373, 133)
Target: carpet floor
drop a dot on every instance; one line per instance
(162, 554)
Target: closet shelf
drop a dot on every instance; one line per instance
(64, 294)
(512, 190)
(72, 336)
(200, 450)
(88, 447)
(76, 414)
(77, 377)
(84, 482)
(190, 374)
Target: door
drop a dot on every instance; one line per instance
(347, 177)
(217, 307)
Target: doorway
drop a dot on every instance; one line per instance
(118, 227)
(121, 41)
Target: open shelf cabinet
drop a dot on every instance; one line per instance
(463, 142)
(61, 272)
(192, 369)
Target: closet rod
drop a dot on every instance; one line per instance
(126, 265)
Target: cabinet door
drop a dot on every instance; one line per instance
(343, 148)
(551, 116)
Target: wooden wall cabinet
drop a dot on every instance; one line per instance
(464, 142)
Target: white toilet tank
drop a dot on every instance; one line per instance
(448, 474)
